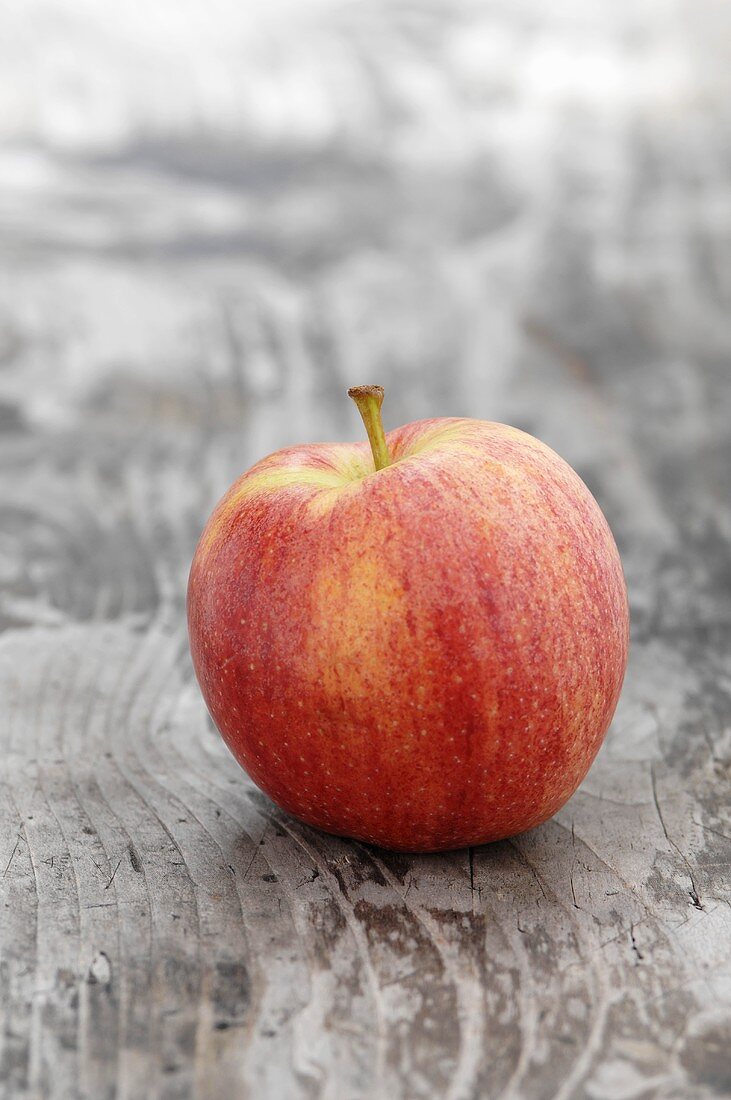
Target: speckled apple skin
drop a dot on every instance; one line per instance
(424, 657)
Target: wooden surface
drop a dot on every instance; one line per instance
(214, 217)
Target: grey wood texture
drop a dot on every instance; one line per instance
(214, 217)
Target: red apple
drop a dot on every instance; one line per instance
(420, 644)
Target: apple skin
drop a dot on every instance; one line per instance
(422, 657)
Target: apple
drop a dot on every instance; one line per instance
(419, 644)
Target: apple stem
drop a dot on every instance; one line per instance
(369, 400)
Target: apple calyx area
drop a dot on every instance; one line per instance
(369, 400)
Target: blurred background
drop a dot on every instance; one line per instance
(215, 211)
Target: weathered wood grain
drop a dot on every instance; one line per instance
(212, 221)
